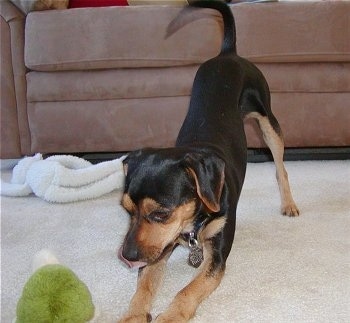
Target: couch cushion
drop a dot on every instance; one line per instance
(110, 84)
(307, 77)
(307, 31)
(115, 37)
(175, 81)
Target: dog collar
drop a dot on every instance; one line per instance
(201, 220)
(196, 257)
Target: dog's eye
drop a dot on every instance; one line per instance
(158, 216)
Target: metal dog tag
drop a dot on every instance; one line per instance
(195, 258)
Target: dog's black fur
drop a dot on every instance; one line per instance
(204, 172)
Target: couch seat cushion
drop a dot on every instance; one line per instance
(110, 84)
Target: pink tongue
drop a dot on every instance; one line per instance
(131, 264)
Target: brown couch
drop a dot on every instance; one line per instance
(107, 80)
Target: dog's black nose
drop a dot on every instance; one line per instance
(130, 257)
(130, 253)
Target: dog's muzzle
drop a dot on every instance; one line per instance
(130, 263)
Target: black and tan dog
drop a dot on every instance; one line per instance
(189, 194)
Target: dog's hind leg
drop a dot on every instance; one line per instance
(273, 138)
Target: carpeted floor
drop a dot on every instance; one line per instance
(280, 269)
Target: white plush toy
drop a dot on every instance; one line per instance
(64, 178)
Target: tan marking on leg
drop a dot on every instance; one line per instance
(148, 283)
(276, 145)
(185, 303)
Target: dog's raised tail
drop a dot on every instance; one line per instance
(229, 41)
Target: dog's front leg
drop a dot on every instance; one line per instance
(149, 280)
(185, 303)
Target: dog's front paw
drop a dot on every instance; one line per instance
(136, 318)
(170, 318)
(290, 210)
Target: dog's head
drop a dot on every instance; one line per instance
(164, 191)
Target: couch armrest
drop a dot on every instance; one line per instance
(15, 139)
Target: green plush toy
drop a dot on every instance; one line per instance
(54, 294)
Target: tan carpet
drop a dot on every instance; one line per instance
(280, 269)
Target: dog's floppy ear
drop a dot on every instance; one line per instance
(208, 172)
(133, 159)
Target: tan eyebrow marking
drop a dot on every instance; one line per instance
(148, 205)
